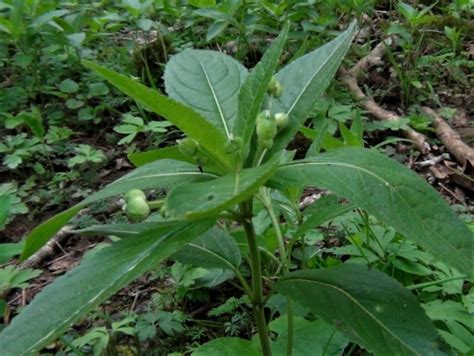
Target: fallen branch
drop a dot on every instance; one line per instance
(369, 104)
(451, 139)
(49, 248)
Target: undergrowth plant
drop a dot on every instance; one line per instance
(237, 125)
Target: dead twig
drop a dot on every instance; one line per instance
(350, 79)
(451, 139)
(47, 249)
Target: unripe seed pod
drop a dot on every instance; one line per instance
(281, 120)
(137, 209)
(266, 126)
(134, 193)
(278, 90)
(265, 114)
(272, 85)
(233, 145)
(187, 146)
(267, 144)
(164, 211)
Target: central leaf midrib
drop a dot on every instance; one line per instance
(214, 96)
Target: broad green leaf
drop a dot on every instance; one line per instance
(34, 121)
(216, 29)
(326, 208)
(208, 82)
(252, 93)
(4, 209)
(9, 250)
(186, 119)
(216, 249)
(368, 306)
(100, 275)
(159, 174)
(303, 81)
(228, 346)
(317, 336)
(198, 200)
(393, 194)
(171, 152)
(119, 230)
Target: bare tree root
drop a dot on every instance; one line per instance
(451, 139)
(350, 79)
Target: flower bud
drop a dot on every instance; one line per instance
(266, 126)
(278, 90)
(187, 146)
(275, 88)
(137, 209)
(267, 144)
(233, 145)
(281, 120)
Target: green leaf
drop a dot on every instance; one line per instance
(9, 250)
(198, 200)
(216, 249)
(68, 86)
(34, 121)
(208, 82)
(253, 90)
(216, 29)
(4, 210)
(368, 306)
(228, 346)
(186, 119)
(326, 208)
(171, 152)
(119, 230)
(317, 336)
(69, 297)
(159, 174)
(390, 192)
(303, 81)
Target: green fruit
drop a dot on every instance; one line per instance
(272, 85)
(233, 145)
(275, 88)
(267, 144)
(134, 193)
(278, 90)
(137, 209)
(281, 120)
(266, 127)
(188, 147)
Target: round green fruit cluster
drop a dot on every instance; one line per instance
(136, 207)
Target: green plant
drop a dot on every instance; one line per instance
(85, 154)
(133, 125)
(102, 338)
(214, 101)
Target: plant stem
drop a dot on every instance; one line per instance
(257, 285)
(434, 283)
(267, 202)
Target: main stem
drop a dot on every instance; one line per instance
(266, 200)
(257, 282)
